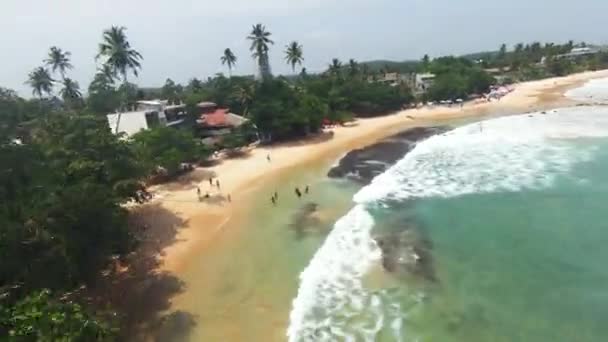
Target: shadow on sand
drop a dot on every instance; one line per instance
(188, 181)
(138, 290)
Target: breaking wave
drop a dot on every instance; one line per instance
(505, 154)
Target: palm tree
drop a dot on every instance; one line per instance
(294, 55)
(259, 47)
(335, 67)
(195, 85)
(119, 55)
(244, 95)
(41, 82)
(70, 93)
(426, 62)
(353, 67)
(107, 73)
(59, 60)
(230, 59)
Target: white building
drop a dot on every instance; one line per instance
(147, 115)
(423, 82)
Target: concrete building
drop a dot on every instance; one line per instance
(148, 114)
(423, 82)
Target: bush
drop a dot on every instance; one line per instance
(39, 317)
(168, 148)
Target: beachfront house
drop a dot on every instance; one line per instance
(215, 122)
(146, 115)
(575, 54)
(422, 82)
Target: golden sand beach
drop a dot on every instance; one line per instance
(239, 176)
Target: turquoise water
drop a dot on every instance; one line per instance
(512, 211)
(524, 266)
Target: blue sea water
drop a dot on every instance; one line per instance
(514, 214)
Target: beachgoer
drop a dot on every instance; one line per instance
(217, 183)
(268, 157)
(306, 190)
(276, 195)
(298, 192)
(198, 191)
(207, 195)
(273, 200)
(211, 181)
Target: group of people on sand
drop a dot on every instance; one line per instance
(275, 197)
(207, 195)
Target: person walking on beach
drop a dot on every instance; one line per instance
(217, 183)
(211, 181)
(276, 195)
(273, 200)
(198, 191)
(268, 157)
(298, 192)
(306, 190)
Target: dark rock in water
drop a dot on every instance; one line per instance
(304, 220)
(364, 164)
(407, 252)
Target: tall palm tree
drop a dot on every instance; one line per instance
(106, 72)
(195, 85)
(244, 95)
(59, 60)
(70, 93)
(41, 82)
(353, 67)
(260, 39)
(335, 67)
(229, 59)
(118, 54)
(294, 55)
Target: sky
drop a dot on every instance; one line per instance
(181, 39)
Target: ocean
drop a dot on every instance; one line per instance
(494, 231)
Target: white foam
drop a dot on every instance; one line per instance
(504, 154)
(594, 91)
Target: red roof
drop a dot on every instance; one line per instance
(216, 118)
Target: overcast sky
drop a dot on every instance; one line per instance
(181, 39)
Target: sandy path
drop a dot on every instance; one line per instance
(201, 221)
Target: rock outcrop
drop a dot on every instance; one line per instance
(364, 164)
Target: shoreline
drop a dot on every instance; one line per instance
(240, 176)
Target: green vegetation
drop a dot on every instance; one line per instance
(167, 148)
(229, 59)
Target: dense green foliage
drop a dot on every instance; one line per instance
(168, 148)
(456, 78)
(40, 317)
